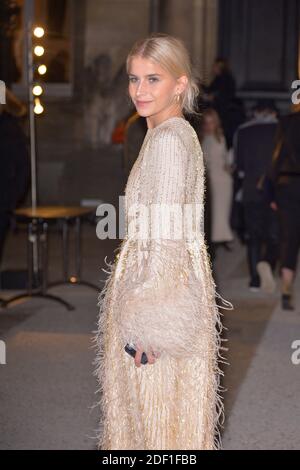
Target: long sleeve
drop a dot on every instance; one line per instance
(159, 297)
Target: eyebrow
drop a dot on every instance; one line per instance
(149, 75)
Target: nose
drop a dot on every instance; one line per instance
(141, 88)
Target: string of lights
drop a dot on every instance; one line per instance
(41, 68)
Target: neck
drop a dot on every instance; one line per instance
(156, 119)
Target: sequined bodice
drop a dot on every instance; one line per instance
(139, 187)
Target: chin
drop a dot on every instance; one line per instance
(144, 114)
(145, 111)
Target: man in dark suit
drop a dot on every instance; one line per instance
(284, 173)
(253, 147)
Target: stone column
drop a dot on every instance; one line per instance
(205, 37)
(177, 19)
(196, 23)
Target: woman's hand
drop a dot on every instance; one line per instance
(151, 356)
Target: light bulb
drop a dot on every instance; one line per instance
(39, 50)
(37, 90)
(42, 69)
(38, 108)
(39, 32)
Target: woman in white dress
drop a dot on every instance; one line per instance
(218, 162)
(160, 295)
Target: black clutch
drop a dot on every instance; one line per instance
(132, 352)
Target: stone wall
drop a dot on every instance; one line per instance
(76, 157)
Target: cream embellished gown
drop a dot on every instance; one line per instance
(160, 294)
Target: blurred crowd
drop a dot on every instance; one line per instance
(252, 162)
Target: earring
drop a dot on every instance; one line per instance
(177, 97)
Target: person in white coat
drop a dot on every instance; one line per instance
(218, 163)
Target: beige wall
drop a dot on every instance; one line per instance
(205, 34)
(112, 26)
(178, 20)
(196, 23)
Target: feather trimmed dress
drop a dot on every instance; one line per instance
(160, 294)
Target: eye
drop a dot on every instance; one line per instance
(153, 79)
(132, 79)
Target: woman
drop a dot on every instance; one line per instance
(160, 295)
(218, 167)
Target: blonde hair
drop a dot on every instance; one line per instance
(171, 53)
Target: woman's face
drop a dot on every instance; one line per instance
(209, 124)
(152, 88)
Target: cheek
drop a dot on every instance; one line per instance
(163, 91)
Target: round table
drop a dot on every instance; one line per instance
(37, 221)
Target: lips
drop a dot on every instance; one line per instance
(142, 103)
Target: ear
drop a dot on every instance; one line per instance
(182, 83)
